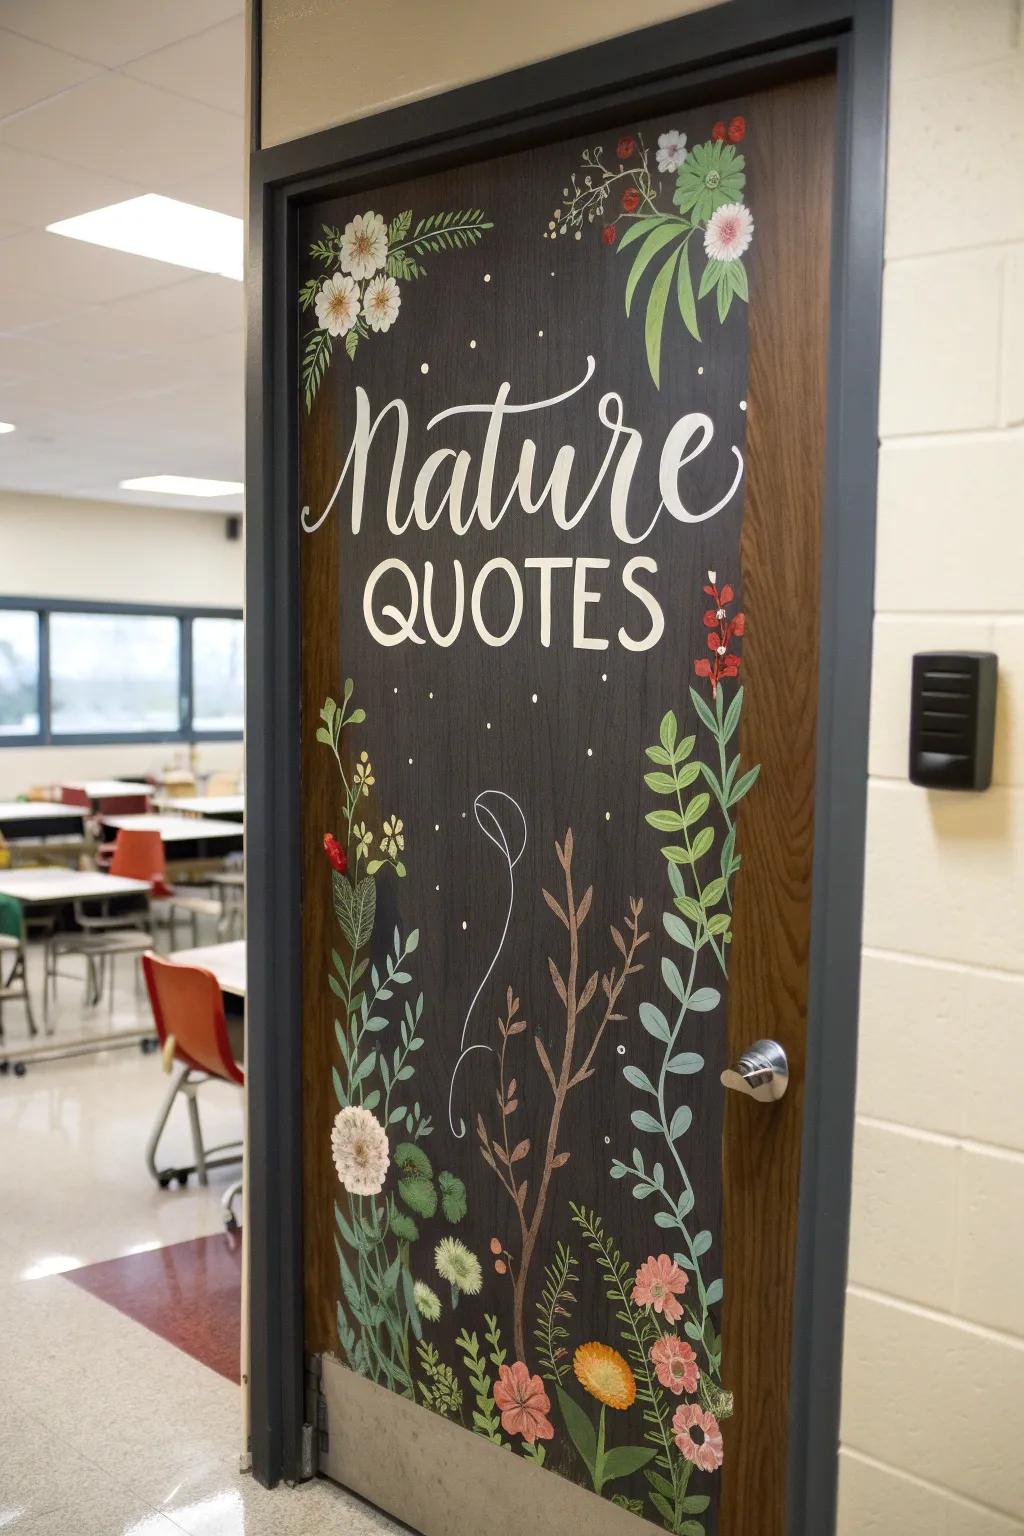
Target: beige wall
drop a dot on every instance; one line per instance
(933, 1410)
(52, 547)
(933, 1400)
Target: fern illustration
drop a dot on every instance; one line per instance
(486, 1419)
(555, 1300)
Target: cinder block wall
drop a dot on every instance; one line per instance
(933, 1381)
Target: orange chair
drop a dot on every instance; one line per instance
(140, 855)
(188, 1010)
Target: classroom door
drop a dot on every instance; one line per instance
(561, 462)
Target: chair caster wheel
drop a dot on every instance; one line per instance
(164, 1180)
(231, 1223)
(5, 1067)
(182, 1178)
(20, 1069)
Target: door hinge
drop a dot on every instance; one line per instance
(314, 1429)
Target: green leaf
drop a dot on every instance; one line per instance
(704, 1000)
(638, 1079)
(581, 1432)
(685, 1064)
(712, 892)
(732, 717)
(661, 783)
(719, 923)
(676, 855)
(689, 908)
(339, 1092)
(655, 242)
(645, 1122)
(696, 808)
(701, 1244)
(714, 1293)
(665, 820)
(403, 1227)
(411, 1159)
(659, 755)
(642, 227)
(677, 930)
(744, 783)
(324, 736)
(668, 731)
(661, 1484)
(672, 979)
(664, 1509)
(351, 343)
(655, 1022)
(681, 1122)
(684, 293)
(738, 278)
(625, 1460)
(410, 1304)
(655, 321)
(724, 294)
(686, 775)
(354, 907)
(453, 1197)
(702, 842)
(703, 712)
(357, 717)
(709, 277)
(419, 1195)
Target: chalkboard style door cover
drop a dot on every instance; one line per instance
(561, 462)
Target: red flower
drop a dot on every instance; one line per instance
(718, 131)
(722, 630)
(336, 855)
(626, 147)
(631, 200)
(737, 128)
(609, 234)
(523, 1403)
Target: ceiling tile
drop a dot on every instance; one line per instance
(38, 191)
(123, 128)
(209, 67)
(112, 32)
(23, 308)
(76, 272)
(178, 316)
(30, 73)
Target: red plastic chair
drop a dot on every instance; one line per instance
(140, 855)
(188, 1010)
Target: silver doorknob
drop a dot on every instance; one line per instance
(762, 1072)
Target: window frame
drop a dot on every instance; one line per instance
(46, 736)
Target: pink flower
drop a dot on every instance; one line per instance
(523, 1403)
(658, 1283)
(729, 232)
(698, 1436)
(676, 1364)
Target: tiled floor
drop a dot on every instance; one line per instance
(106, 1427)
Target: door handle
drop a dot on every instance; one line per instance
(762, 1072)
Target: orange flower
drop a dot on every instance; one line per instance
(523, 1404)
(605, 1375)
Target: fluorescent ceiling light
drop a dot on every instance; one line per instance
(182, 485)
(7, 426)
(164, 229)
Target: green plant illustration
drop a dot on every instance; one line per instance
(387, 1190)
(556, 1300)
(356, 294)
(624, 196)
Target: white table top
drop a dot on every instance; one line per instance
(226, 961)
(35, 885)
(107, 789)
(202, 805)
(179, 829)
(39, 810)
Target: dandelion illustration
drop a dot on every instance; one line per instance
(428, 1302)
(460, 1268)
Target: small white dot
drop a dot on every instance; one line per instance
(437, 826)
(540, 333)
(534, 697)
(604, 677)
(552, 274)
(465, 925)
(463, 815)
(743, 405)
(472, 343)
(487, 278)
(590, 751)
(488, 725)
(437, 887)
(607, 815)
(410, 762)
(607, 1141)
(396, 690)
(700, 370)
(424, 367)
(621, 1050)
(430, 695)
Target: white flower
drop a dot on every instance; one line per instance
(729, 232)
(671, 150)
(381, 303)
(428, 1303)
(359, 1146)
(364, 245)
(337, 305)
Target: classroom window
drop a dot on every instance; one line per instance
(114, 674)
(218, 661)
(19, 673)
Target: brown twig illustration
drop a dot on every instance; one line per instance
(498, 1151)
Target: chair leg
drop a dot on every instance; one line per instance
(22, 966)
(197, 1138)
(113, 985)
(177, 1087)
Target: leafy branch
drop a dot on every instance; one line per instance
(555, 1301)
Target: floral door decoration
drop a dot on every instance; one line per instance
(624, 193)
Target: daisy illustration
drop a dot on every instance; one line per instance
(671, 150)
(729, 232)
(337, 305)
(364, 245)
(381, 303)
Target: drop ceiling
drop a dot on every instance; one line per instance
(115, 366)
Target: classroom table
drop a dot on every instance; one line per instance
(191, 844)
(96, 791)
(226, 961)
(24, 820)
(226, 807)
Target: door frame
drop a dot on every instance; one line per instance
(729, 49)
